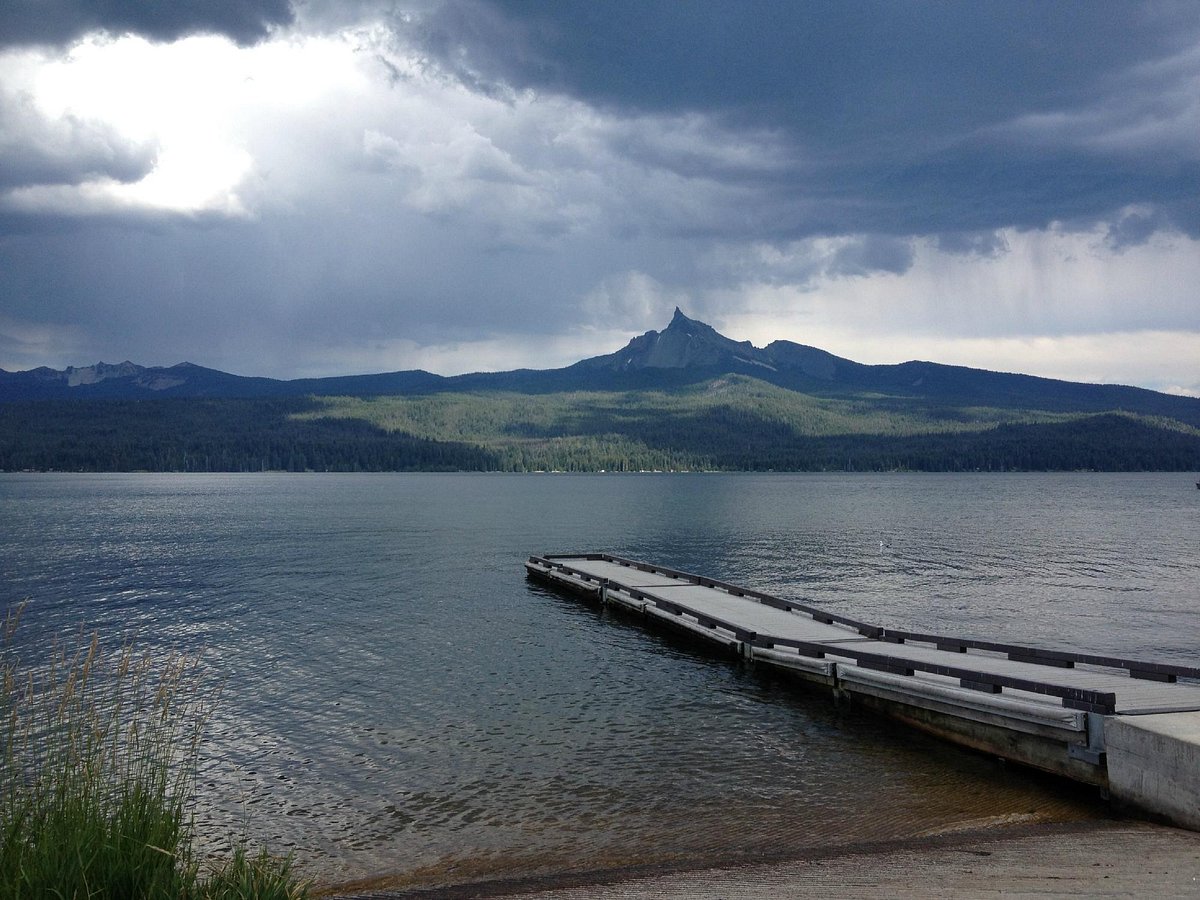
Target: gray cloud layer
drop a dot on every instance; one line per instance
(65, 151)
(62, 21)
(504, 167)
(920, 117)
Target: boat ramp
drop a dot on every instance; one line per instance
(1130, 727)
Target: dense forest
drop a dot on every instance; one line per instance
(211, 436)
(729, 423)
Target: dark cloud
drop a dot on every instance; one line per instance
(988, 244)
(982, 188)
(872, 254)
(921, 117)
(1183, 211)
(56, 22)
(833, 70)
(1133, 229)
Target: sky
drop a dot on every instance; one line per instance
(299, 188)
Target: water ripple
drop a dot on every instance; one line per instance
(398, 699)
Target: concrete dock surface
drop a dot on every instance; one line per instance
(1050, 709)
(1091, 859)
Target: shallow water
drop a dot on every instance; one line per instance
(399, 699)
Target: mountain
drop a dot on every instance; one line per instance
(686, 397)
(124, 381)
(686, 352)
(685, 343)
(689, 344)
(128, 381)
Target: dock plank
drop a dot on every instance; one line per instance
(703, 603)
(754, 616)
(1046, 708)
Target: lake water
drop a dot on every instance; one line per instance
(399, 700)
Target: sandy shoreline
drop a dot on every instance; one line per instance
(1081, 859)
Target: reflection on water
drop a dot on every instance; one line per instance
(399, 700)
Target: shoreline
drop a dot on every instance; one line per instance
(1109, 858)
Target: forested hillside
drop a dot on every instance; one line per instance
(211, 436)
(729, 423)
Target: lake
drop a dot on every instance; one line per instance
(399, 700)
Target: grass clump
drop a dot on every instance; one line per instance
(98, 754)
(260, 876)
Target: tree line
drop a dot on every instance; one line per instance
(609, 433)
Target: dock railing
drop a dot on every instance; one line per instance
(988, 682)
(820, 615)
(1064, 659)
(1071, 697)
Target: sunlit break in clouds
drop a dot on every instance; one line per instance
(333, 187)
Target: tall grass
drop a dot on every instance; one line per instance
(97, 777)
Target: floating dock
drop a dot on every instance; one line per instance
(1130, 727)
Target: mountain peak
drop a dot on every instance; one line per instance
(684, 343)
(680, 320)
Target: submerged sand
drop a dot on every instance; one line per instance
(1091, 859)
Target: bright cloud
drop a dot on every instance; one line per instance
(1055, 303)
(192, 101)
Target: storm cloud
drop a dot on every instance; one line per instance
(918, 109)
(62, 21)
(350, 186)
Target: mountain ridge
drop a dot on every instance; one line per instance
(686, 352)
(684, 398)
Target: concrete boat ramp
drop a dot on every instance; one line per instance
(1130, 727)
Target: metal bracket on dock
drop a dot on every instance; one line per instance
(1086, 754)
(985, 687)
(1094, 751)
